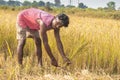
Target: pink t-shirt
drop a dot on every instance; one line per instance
(28, 18)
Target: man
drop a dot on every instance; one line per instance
(31, 22)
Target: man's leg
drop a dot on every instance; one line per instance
(20, 47)
(38, 49)
(21, 37)
(35, 35)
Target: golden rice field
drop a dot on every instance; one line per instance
(92, 44)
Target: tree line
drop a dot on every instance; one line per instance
(110, 5)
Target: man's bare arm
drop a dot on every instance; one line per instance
(60, 46)
(59, 43)
(45, 42)
(46, 45)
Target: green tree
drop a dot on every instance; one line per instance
(2, 2)
(49, 4)
(111, 5)
(57, 3)
(35, 4)
(14, 3)
(81, 5)
(18, 3)
(41, 3)
(27, 3)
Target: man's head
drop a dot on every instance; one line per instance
(61, 20)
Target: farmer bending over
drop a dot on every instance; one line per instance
(30, 23)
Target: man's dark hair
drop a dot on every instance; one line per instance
(64, 18)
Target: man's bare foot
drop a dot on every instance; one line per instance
(54, 63)
(67, 61)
